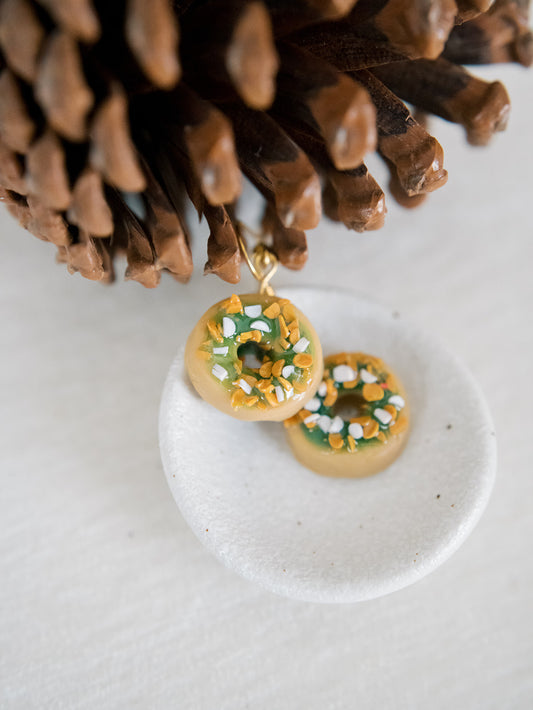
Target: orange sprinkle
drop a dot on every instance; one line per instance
(331, 389)
(303, 414)
(294, 337)
(237, 399)
(291, 421)
(382, 437)
(399, 425)
(391, 410)
(303, 360)
(392, 383)
(272, 311)
(233, 304)
(332, 394)
(351, 443)
(262, 406)
(338, 359)
(245, 337)
(335, 441)
(289, 312)
(284, 344)
(331, 398)
(238, 366)
(363, 421)
(284, 383)
(271, 399)
(213, 330)
(265, 385)
(376, 364)
(251, 400)
(283, 327)
(371, 430)
(266, 369)
(372, 392)
(278, 367)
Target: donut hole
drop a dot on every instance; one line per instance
(349, 406)
(251, 355)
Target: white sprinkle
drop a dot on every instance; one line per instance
(289, 393)
(245, 386)
(324, 423)
(344, 373)
(260, 325)
(355, 430)
(399, 402)
(219, 372)
(287, 371)
(252, 311)
(367, 377)
(336, 425)
(279, 393)
(228, 327)
(313, 405)
(323, 389)
(301, 345)
(220, 351)
(311, 418)
(383, 416)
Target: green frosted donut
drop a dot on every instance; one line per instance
(255, 357)
(360, 445)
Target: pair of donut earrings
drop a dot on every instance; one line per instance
(257, 357)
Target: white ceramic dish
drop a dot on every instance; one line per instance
(335, 540)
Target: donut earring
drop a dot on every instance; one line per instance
(361, 444)
(255, 356)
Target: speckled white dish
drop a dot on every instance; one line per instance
(335, 540)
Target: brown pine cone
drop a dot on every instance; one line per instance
(113, 114)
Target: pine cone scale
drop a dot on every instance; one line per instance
(113, 114)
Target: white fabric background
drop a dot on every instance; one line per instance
(109, 601)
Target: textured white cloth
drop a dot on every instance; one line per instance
(109, 601)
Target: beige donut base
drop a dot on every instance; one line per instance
(215, 394)
(343, 464)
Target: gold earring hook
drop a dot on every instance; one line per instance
(263, 264)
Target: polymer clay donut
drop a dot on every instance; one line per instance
(255, 357)
(355, 446)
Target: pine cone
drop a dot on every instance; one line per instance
(113, 114)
